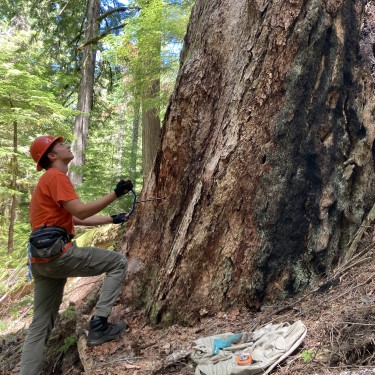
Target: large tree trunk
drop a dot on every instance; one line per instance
(85, 94)
(266, 158)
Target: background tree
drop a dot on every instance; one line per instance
(99, 22)
(86, 90)
(266, 158)
(149, 51)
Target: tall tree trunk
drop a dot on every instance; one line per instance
(266, 158)
(85, 94)
(13, 187)
(12, 218)
(135, 136)
(149, 52)
(150, 126)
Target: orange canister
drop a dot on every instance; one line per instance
(244, 359)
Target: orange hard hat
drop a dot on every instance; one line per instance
(40, 145)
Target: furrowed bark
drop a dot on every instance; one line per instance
(266, 159)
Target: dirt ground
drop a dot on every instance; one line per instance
(339, 314)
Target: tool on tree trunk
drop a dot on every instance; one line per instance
(151, 199)
(127, 216)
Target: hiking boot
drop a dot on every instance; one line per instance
(101, 331)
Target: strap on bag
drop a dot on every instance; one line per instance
(47, 260)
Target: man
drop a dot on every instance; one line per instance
(54, 209)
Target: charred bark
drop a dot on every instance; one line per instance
(266, 158)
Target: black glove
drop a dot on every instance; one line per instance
(123, 187)
(119, 218)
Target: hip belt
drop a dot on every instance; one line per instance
(48, 243)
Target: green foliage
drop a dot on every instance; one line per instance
(307, 355)
(13, 272)
(69, 343)
(107, 160)
(57, 25)
(69, 313)
(18, 306)
(3, 325)
(149, 49)
(25, 94)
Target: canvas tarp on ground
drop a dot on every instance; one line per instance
(268, 346)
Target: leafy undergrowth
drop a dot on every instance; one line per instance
(339, 314)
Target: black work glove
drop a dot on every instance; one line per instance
(119, 218)
(123, 187)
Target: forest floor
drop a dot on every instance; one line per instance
(339, 314)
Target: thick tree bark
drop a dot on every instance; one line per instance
(266, 158)
(85, 94)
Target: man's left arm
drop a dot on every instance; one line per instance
(93, 220)
(100, 220)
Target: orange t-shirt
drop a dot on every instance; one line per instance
(53, 188)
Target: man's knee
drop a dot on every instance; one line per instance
(122, 263)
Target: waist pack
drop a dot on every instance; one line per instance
(47, 242)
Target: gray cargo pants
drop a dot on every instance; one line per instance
(50, 279)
